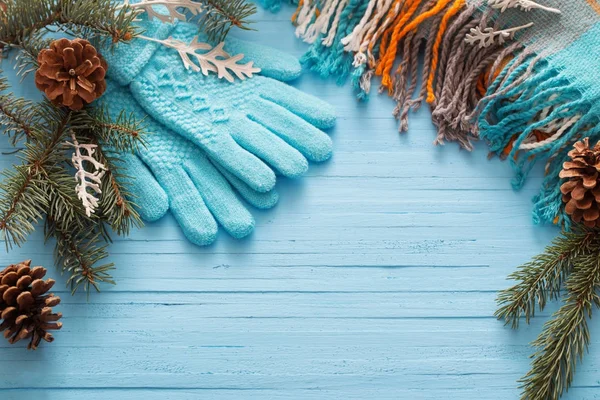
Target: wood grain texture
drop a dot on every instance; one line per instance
(375, 277)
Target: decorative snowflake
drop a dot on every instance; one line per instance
(526, 5)
(488, 36)
(87, 180)
(214, 59)
(174, 8)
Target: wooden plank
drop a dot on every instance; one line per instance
(374, 277)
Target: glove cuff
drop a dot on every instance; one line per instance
(127, 59)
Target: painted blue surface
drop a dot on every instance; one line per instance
(374, 278)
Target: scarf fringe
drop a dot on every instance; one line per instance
(477, 80)
(536, 113)
(366, 38)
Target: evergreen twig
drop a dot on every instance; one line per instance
(540, 280)
(42, 186)
(84, 19)
(572, 261)
(222, 15)
(566, 337)
(26, 191)
(113, 136)
(18, 119)
(26, 59)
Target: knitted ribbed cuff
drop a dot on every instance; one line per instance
(127, 59)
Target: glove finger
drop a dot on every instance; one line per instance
(219, 197)
(273, 63)
(151, 199)
(240, 162)
(313, 143)
(310, 108)
(217, 143)
(269, 147)
(188, 207)
(259, 200)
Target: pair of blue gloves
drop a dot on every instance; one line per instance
(212, 143)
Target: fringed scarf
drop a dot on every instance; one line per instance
(522, 75)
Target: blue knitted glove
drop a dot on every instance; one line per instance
(243, 126)
(182, 178)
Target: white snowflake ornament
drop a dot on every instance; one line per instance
(526, 5)
(487, 37)
(84, 153)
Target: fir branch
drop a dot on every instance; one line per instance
(22, 18)
(222, 15)
(98, 18)
(121, 134)
(29, 48)
(64, 204)
(81, 242)
(78, 253)
(26, 190)
(113, 136)
(42, 185)
(540, 280)
(18, 118)
(85, 19)
(215, 17)
(566, 337)
(117, 204)
(110, 20)
(22, 203)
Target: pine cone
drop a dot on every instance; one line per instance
(26, 309)
(71, 73)
(581, 192)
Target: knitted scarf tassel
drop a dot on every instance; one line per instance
(364, 38)
(479, 82)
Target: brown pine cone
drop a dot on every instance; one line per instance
(71, 73)
(26, 309)
(581, 192)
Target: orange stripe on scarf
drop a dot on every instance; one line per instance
(385, 38)
(389, 58)
(458, 4)
(392, 44)
(594, 4)
(384, 32)
(295, 16)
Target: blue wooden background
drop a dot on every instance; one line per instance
(374, 278)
